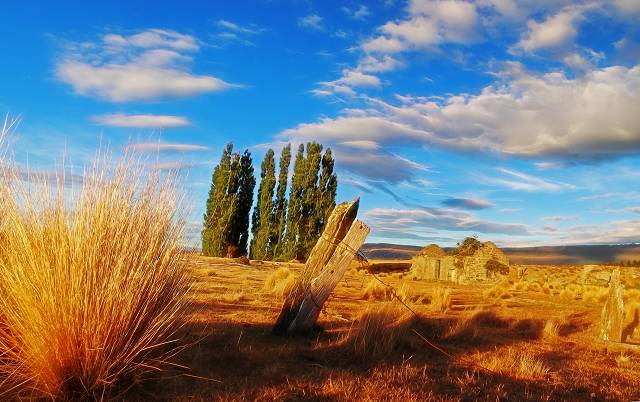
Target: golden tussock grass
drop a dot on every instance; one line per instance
(280, 282)
(551, 329)
(623, 360)
(92, 280)
(440, 299)
(377, 291)
(376, 333)
(514, 363)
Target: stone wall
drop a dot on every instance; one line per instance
(425, 267)
(446, 268)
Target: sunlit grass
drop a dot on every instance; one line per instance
(92, 283)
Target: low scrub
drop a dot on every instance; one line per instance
(377, 332)
(440, 299)
(513, 363)
(280, 282)
(377, 291)
(92, 280)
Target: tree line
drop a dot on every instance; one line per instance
(282, 228)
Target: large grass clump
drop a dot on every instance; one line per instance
(92, 284)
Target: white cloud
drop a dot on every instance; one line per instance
(376, 64)
(232, 26)
(555, 31)
(560, 218)
(355, 78)
(614, 232)
(549, 165)
(418, 219)
(428, 24)
(144, 66)
(165, 147)
(311, 21)
(360, 13)
(153, 38)
(521, 114)
(628, 6)
(519, 181)
(384, 45)
(141, 120)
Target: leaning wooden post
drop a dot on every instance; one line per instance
(323, 284)
(322, 257)
(612, 315)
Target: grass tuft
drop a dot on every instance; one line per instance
(280, 282)
(377, 332)
(441, 299)
(92, 279)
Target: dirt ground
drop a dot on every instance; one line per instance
(506, 341)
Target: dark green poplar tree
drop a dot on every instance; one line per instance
(226, 217)
(308, 225)
(328, 187)
(243, 197)
(294, 211)
(262, 219)
(211, 235)
(276, 240)
(229, 205)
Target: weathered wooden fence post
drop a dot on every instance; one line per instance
(327, 263)
(612, 315)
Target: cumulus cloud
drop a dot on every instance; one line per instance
(141, 120)
(467, 203)
(420, 219)
(153, 38)
(360, 13)
(311, 21)
(522, 114)
(232, 26)
(555, 31)
(519, 181)
(614, 232)
(428, 24)
(148, 65)
(560, 218)
(234, 32)
(378, 64)
(165, 147)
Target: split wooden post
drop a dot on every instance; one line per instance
(322, 286)
(328, 261)
(612, 315)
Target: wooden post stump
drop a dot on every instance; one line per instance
(612, 315)
(329, 259)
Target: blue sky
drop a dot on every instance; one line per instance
(514, 120)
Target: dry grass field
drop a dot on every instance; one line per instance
(534, 339)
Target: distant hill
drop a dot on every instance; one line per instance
(551, 255)
(388, 251)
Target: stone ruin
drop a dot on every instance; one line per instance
(480, 262)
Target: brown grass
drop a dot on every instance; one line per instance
(376, 332)
(440, 299)
(377, 291)
(92, 283)
(280, 282)
(516, 363)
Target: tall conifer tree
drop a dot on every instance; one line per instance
(211, 235)
(327, 186)
(294, 212)
(276, 240)
(262, 220)
(308, 223)
(246, 182)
